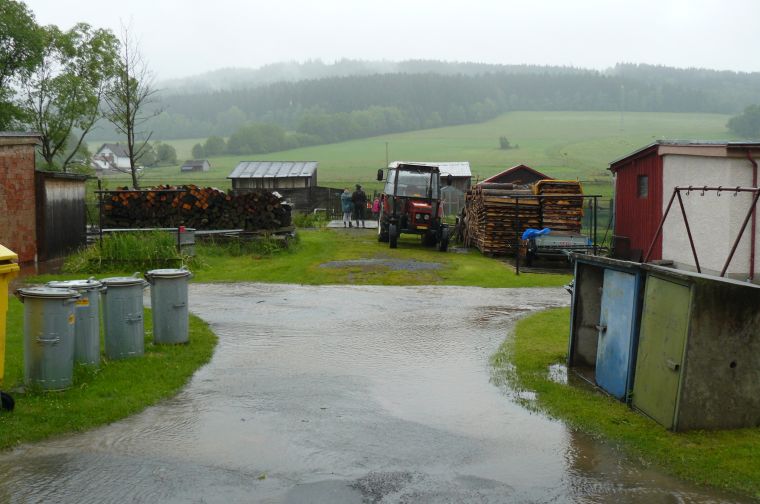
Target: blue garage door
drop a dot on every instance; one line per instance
(615, 332)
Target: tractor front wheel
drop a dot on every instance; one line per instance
(382, 231)
(393, 235)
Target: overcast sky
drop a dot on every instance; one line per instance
(180, 38)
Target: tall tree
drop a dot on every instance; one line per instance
(63, 95)
(129, 98)
(22, 43)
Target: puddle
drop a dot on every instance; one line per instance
(343, 394)
(558, 373)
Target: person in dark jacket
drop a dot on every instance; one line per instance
(359, 198)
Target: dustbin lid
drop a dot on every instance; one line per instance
(47, 292)
(123, 281)
(7, 258)
(7, 255)
(168, 273)
(78, 285)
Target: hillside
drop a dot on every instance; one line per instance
(561, 144)
(326, 104)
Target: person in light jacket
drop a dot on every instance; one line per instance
(346, 205)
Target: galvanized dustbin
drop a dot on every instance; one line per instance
(168, 300)
(87, 312)
(123, 316)
(48, 336)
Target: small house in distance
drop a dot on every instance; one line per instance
(519, 175)
(273, 175)
(195, 165)
(111, 157)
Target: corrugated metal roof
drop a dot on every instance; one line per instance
(273, 169)
(455, 168)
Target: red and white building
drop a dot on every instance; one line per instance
(644, 182)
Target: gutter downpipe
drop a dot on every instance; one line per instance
(754, 221)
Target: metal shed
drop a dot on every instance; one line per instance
(274, 175)
(698, 363)
(604, 324)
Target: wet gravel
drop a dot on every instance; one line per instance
(342, 394)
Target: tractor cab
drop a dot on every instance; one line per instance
(411, 203)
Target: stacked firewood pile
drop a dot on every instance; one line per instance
(492, 210)
(194, 207)
(492, 217)
(559, 213)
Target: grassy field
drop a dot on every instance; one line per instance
(574, 145)
(361, 261)
(723, 459)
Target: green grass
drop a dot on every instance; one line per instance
(562, 144)
(118, 389)
(303, 264)
(721, 459)
(127, 251)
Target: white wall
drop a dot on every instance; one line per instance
(714, 220)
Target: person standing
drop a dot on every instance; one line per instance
(359, 198)
(376, 207)
(345, 206)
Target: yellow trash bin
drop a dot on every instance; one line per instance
(8, 270)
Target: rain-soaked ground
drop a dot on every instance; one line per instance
(342, 394)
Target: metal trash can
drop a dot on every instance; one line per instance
(87, 312)
(168, 300)
(48, 336)
(123, 316)
(8, 270)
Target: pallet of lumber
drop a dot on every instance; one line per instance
(194, 207)
(495, 214)
(563, 209)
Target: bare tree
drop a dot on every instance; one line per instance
(129, 98)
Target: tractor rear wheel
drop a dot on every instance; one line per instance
(443, 243)
(393, 235)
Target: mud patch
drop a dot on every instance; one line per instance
(392, 264)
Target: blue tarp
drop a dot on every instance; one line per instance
(532, 233)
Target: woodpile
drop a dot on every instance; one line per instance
(194, 207)
(559, 213)
(492, 211)
(492, 217)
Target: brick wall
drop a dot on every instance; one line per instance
(17, 196)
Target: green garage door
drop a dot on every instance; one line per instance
(664, 324)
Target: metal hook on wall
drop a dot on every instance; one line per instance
(720, 188)
(703, 190)
(736, 192)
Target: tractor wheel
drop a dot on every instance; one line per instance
(393, 235)
(428, 239)
(382, 232)
(443, 243)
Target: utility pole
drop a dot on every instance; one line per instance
(386, 154)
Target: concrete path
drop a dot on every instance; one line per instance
(342, 394)
(338, 224)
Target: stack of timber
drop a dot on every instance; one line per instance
(194, 207)
(557, 212)
(495, 217)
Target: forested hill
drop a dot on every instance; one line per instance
(337, 108)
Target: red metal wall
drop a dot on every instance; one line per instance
(637, 218)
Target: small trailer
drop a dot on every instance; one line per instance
(558, 244)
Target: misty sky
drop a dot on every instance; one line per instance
(180, 38)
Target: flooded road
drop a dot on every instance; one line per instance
(342, 394)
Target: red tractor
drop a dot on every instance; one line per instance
(411, 203)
